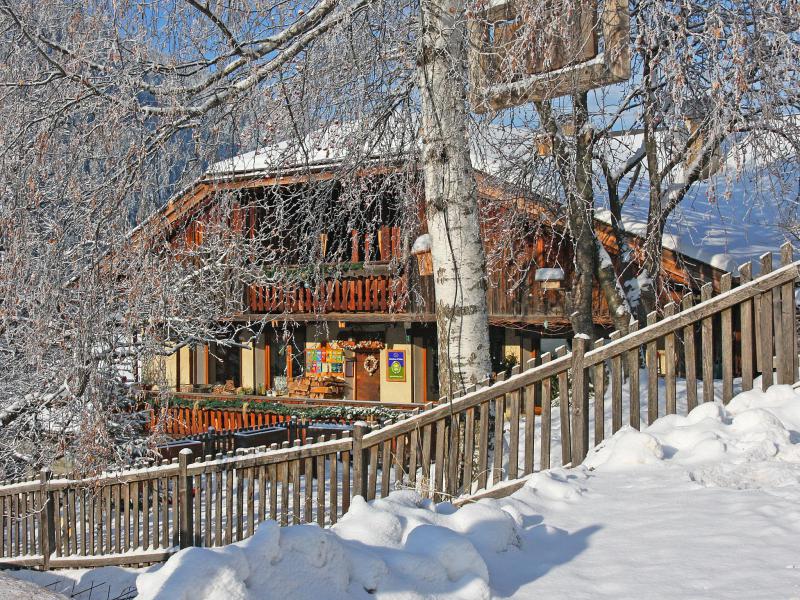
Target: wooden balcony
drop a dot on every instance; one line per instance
(373, 293)
(534, 302)
(378, 293)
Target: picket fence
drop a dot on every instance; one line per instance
(140, 516)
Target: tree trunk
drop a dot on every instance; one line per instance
(650, 278)
(615, 296)
(451, 194)
(580, 216)
(651, 262)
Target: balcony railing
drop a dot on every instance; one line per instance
(365, 293)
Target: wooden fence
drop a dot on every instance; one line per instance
(291, 429)
(452, 449)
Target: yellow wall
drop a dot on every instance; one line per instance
(248, 379)
(170, 372)
(186, 367)
(397, 391)
(259, 376)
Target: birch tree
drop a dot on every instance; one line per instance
(451, 197)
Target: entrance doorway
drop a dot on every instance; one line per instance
(368, 385)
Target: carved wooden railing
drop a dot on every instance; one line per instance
(450, 450)
(363, 293)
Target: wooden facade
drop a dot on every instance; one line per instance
(370, 287)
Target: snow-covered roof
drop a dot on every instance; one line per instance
(549, 274)
(422, 244)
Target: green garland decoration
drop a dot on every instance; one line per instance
(370, 413)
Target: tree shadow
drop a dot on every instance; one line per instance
(543, 548)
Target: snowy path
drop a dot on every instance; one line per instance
(704, 506)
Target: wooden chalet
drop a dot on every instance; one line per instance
(360, 334)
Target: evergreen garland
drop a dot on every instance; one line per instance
(372, 413)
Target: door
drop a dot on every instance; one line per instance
(368, 381)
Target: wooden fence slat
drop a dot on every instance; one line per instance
(229, 498)
(321, 487)
(251, 500)
(90, 523)
(726, 343)
(616, 388)
(483, 445)
(24, 512)
(707, 348)
(308, 467)
(787, 322)
(4, 522)
(789, 316)
(453, 455)
(333, 487)
(219, 475)
(425, 458)
(497, 452)
(633, 381)
(599, 398)
(513, 452)
(297, 505)
(346, 474)
(469, 450)
(108, 514)
(399, 461)
(651, 361)
(413, 450)
(547, 422)
(528, 398)
(125, 538)
(386, 467)
(197, 514)
(439, 460)
(240, 493)
(146, 495)
(117, 492)
(670, 364)
(372, 479)
(580, 400)
(689, 357)
(563, 404)
(765, 325)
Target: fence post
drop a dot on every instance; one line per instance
(788, 318)
(360, 459)
(185, 499)
(46, 518)
(580, 401)
(210, 447)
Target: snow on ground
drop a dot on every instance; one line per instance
(701, 506)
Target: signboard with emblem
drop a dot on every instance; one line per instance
(395, 365)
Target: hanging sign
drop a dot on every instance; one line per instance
(396, 365)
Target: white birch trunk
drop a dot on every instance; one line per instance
(459, 263)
